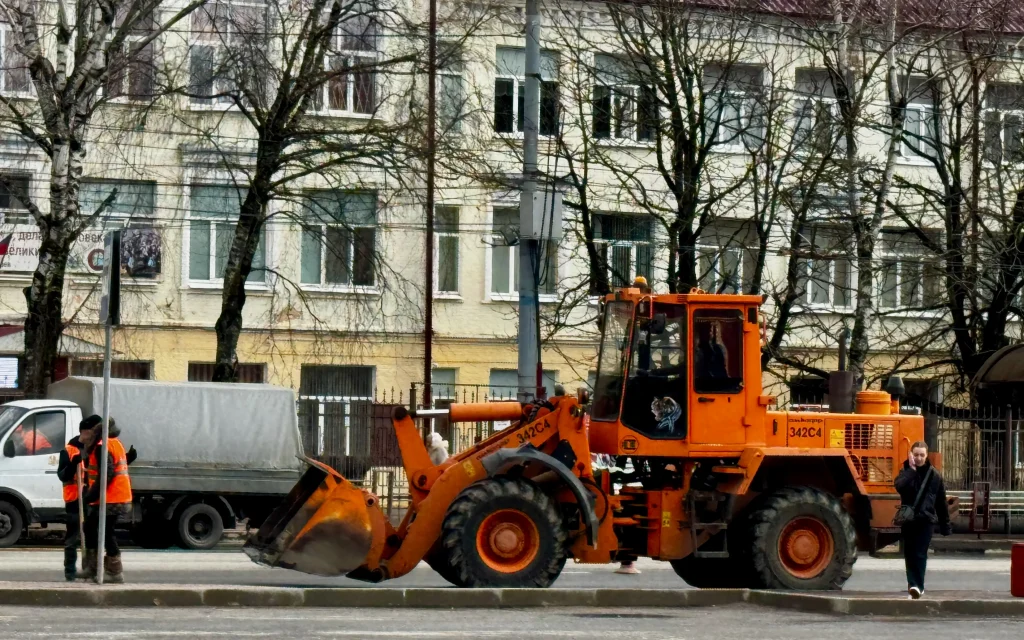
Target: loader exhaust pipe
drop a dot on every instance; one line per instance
(840, 383)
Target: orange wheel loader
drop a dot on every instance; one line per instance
(730, 493)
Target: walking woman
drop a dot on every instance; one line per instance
(921, 488)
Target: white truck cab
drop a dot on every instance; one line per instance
(32, 435)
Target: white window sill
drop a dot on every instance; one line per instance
(450, 296)
(822, 308)
(335, 113)
(340, 289)
(518, 135)
(218, 285)
(909, 314)
(214, 106)
(913, 161)
(624, 143)
(730, 150)
(544, 298)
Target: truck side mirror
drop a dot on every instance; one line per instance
(657, 324)
(9, 449)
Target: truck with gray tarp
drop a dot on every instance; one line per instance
(209, 454)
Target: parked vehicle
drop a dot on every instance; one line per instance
(210, 454)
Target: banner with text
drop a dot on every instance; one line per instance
(140, 251)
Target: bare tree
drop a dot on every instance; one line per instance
(73, 57)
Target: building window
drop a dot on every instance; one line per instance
(826, 270)
(228, 50)
(920, 132)
(14, 66)
(252, 373)
(505, 257)
(446, 250)
(339, 235)
(131, 76)
(1004, 123)
(127, 369)
(130, 206)
(733, 106)
(352, 62)
(442, 384)
(212, 218)
(817, 127)
(909, 276)
(504, 383)
(623, 108)
(8, 372)
(509, 87)
(14, 187)
(724, 263)
(451, 88)
(808, 390)
(624, 246)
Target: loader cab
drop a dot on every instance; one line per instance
(676, 368)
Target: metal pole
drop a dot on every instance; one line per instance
(528, 247)
(101, 547)
(428, 316)
(1008, 459)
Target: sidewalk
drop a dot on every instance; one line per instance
(162, 595)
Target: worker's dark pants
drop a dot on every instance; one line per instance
(92, 524)
(72, 535)
(917, 537)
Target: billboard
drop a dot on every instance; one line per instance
(140, 251)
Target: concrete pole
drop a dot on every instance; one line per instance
(529, 375)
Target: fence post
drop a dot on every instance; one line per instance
(1008, 460)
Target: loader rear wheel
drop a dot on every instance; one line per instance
(717, 573)
(503, 532)
(802, 539)
(438, 561)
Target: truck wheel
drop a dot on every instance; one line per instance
(12, 524)
(502, 532)
(200, 527)
(802, 539)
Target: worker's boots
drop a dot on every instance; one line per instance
(70, 560)
(113, 570)
(88, 565)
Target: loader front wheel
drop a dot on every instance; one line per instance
(802, 539)
(503, 532)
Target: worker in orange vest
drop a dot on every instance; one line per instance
(69, 472)
(119, 498)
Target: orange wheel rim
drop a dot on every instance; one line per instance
(507, 540)
(806, 547)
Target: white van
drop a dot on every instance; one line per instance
(32, 434)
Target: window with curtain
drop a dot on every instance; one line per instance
(339, 236)
(212, 217)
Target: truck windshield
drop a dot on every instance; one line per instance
(10, 416)
(611, 366)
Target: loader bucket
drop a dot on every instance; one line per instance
(324, 527)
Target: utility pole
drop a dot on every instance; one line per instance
(529, 339)
(428, 315)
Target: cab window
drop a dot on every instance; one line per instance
(656, 393)
(40, 434)
(717, 350)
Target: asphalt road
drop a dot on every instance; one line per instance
(738, 622)
(964, 573)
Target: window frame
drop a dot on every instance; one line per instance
(6, 33)
(217, 43)
(518, 87)
(886, 256)
(124, 222)
(906, 154)
(632, 95)
(132, 37)
(716, 253)
(634, 246)
(5, 212)
(807, 264)
(447, 234)
(322, 227)
(351, 58)
(190, 282)
(513, 294)
(727, 88)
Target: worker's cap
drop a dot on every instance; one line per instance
(91, 422)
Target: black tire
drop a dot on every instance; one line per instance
(469, 511)
(150, 534)
(438, 561)
(200, 527)
(811, 514)
(733, 572)
(12, 524)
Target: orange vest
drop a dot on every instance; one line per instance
(71, 486)
(119, 487)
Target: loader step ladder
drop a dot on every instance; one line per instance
(697, 526)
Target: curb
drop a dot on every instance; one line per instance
(451, 598)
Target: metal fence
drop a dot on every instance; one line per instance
(985, 446)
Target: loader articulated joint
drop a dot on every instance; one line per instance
(502, 459)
